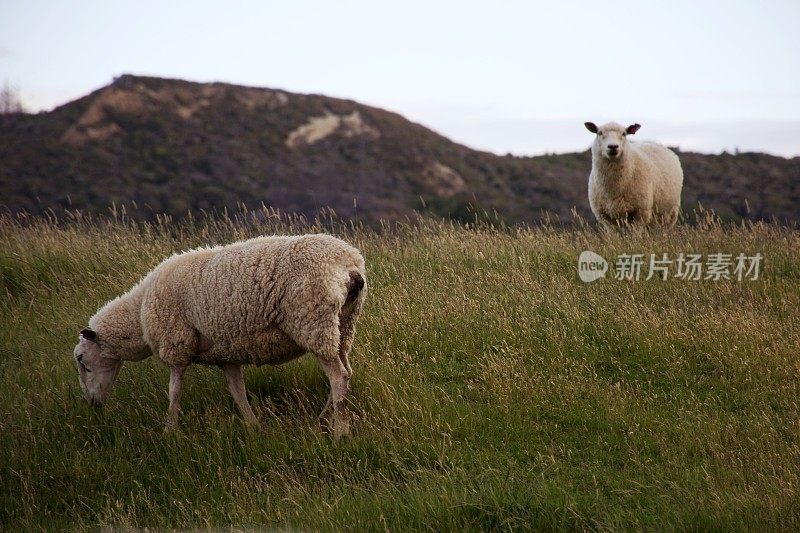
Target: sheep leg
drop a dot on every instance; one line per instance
(347, 333)
(236, 386)
(673, 217)
(643, 216)
(608, 225)
(345, 361)
(326, 413)
(175, 386)
(339, 379)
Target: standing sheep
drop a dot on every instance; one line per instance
(266, 300)
(632, 183)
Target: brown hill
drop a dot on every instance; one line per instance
(173, 146)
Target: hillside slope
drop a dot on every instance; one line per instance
(173, 146)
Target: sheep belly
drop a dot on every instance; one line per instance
(269, 347)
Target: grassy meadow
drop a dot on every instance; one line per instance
(493, 389)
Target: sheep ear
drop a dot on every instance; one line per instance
(633, 128)
(89, 334)
(590, 126)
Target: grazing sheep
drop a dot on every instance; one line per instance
(266, 300)
(632, 183)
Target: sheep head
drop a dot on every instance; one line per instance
(611, 140)
(97, 368)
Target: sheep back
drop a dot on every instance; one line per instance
(264, 300)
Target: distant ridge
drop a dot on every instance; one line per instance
(174, 146)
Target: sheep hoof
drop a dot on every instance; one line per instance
(253, 425)
(325, 424)
(341, 433)
(341, 426)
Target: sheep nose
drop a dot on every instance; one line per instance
(613, 147)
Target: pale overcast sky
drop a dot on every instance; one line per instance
(517, 77)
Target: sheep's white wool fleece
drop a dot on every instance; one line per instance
(643, 185)
(264, 300)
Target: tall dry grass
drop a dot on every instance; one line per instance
(493, 389)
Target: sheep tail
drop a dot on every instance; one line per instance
(355, 285)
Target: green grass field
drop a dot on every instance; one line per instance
(493, 390)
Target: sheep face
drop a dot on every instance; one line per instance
(611, 140)
(96, 370)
